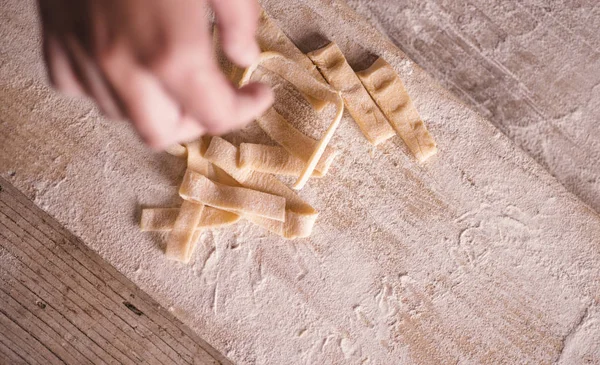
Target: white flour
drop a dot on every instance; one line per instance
(477, 257)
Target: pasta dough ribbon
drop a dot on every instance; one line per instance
(271, 159)
(388, 91)
(163, 219)
(183, 236)
(198, 188)
(299, 215)
(307, 85)
(271, 38)
(333, 65)
(294, 141)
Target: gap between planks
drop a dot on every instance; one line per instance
(60, 302)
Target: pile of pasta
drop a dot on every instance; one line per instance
(224, 183)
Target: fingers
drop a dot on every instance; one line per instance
(150, 109)
(93, 80)
(154, 113)
(73, 72)
(124, 89)
(237, 21)
(159, 72)
(212, 100)
(191, 76)
(189, 130)
(60, 68)
(252, 101)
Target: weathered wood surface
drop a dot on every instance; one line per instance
(532, 67)
(480, 256)
(61, 303)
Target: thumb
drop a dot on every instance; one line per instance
(237, 22)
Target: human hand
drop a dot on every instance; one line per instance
(152, 61)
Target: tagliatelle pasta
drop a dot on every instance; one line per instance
(388, 91)
(333, 65)
(184, 231)
(300, 216)
(182, 237)
(224, 183)
(200, 189)
(294, 141)
(163, 219)
(309, 86)
(271, 159)
(271, 38)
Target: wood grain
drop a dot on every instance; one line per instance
(531, 67)
(61, 303)
(478, 256)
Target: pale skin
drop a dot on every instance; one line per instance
(152, 62)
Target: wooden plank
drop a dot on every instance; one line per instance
(11, 354)
(39, 331)
(531, 67)
(19, 341)
(478, 256)
(27, 298)
(107, 337)
(66, 305)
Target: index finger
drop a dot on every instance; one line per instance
(237, 21)
(198, 84)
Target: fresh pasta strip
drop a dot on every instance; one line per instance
(300, 216)
(308, 85)
(268, 224)
(195, 161)
(216, 173)
(163, 219)
(184, 233)
(295, 226)
(198, 188)
(195, 238)
(295, 74)
(224, 155)
(271, 159)
(292, 140)
(271, 38)
(371, 121)
(388, 91)
(180, 241)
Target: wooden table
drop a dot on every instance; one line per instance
(62, 303)
(530, 67)
(480, 256)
